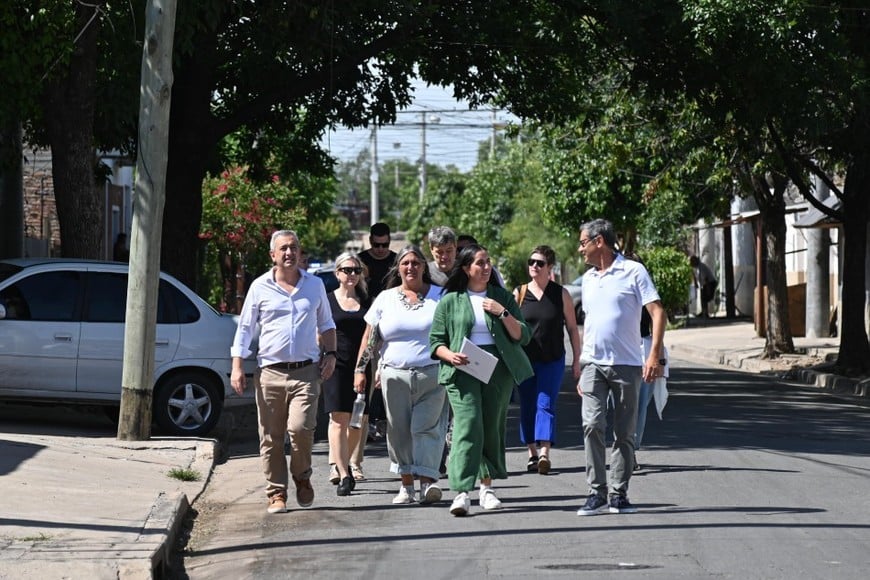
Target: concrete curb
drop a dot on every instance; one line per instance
(749, 360)
(168, 512)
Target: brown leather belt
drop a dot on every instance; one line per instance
(290, 366)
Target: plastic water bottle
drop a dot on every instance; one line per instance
(358, 407)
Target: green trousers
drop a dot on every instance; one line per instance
(477, 450)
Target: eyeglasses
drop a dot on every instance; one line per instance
(348, 270)
(380, 244)
(587, 240)
(538, 263)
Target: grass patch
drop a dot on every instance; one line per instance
(40, 538)
(184, 474)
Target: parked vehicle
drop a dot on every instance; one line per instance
(575, 289)
(326, 273)
(62, 340)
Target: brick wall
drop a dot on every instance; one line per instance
(41, 229)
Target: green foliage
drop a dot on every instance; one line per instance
(240, 214)
(672, 275)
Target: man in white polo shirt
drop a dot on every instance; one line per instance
(615, 290)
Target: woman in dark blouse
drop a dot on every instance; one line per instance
(349, 304)
(547, 309)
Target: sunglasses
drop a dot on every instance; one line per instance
(380, 244)
(538, 263)
(348, 270)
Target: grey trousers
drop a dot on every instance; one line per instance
(596, 382)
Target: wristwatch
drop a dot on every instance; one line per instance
(663, 361)
(504, 313)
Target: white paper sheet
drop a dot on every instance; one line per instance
(481, 364)
(660, 394)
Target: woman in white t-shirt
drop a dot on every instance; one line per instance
(416, 404)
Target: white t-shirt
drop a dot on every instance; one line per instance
(405, 330)
(479, 332)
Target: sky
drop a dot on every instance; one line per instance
(453, 131)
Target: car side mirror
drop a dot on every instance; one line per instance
(2, 311)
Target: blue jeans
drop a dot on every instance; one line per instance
(538, 396)
(416, 407)
(596, 382)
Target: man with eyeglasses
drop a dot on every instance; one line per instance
(379, 258)
(615, 290)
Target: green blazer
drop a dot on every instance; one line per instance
(454, 319)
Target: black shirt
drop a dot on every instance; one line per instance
(377, 270)
(546, 320)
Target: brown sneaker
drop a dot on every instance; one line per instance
(277, 503)
(304, 492)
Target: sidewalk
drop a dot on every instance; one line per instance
(94, 507)
(734, 343)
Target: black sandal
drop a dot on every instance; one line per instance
(532, 465)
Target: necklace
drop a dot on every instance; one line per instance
(403, 299)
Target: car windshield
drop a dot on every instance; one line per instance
(7, 270)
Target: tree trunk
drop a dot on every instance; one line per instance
(854, 355)
(11, 191)
(778, 338)
(68, 104)
(192, 144)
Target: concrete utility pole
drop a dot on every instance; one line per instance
(374, 200)
(150, 192)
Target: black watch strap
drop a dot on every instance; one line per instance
(663, 361)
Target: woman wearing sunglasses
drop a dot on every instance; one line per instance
(548, 309)
(349, 304)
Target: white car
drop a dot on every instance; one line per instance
(62, 340)
(575, 290)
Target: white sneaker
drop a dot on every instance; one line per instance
(489, 501)
(461, 505)
(430, 493)
(405, 495)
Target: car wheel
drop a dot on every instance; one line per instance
(187, 404)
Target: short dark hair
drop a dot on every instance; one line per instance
(468, 238)
(379, 229)
(546, 251)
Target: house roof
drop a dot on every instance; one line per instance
(814, 218)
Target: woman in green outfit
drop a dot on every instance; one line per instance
(476, 307)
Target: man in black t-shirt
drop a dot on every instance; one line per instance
(378, 258)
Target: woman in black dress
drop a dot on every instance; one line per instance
(349, 303)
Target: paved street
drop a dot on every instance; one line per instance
(745, 478)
